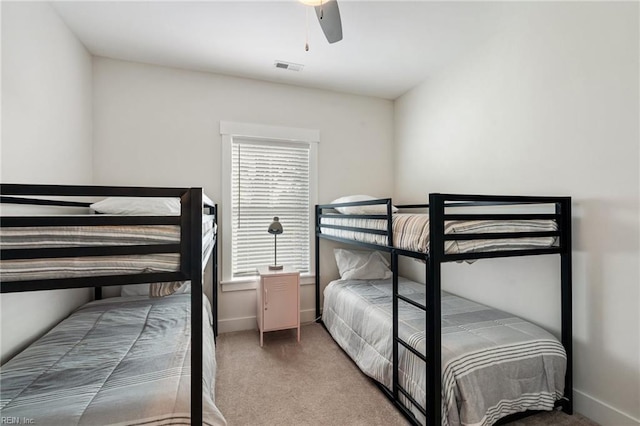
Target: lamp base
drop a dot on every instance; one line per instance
(276, 267)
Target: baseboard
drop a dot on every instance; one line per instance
(601, 412)
(307, 315)
(249, 323)
(236, 324)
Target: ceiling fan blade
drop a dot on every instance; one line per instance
(329, 17)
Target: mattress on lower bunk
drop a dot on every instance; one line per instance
(123, 361)
(411, 232)
(493, 364)
(95, 236)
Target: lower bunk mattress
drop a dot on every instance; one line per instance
(493, 364)
(117, 361)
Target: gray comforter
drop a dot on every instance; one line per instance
(118, 361)
(493, 364)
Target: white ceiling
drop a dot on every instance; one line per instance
(388, 46)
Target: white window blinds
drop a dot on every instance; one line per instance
(269, 179)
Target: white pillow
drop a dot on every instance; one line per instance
(143, 289)
(362, 265)
(135, 290)
(138, 206)
(184, 288)
(375, 209)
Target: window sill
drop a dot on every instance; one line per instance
(243, 284)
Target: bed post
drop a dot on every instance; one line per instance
(214, 272)
(433, 320)
(394, 339)
(317, 261)
(191, 203)
(564, 209)
(394, 304)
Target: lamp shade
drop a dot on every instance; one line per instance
(275, 227)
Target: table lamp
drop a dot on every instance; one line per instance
(275, 228)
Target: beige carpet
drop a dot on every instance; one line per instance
(310, 383)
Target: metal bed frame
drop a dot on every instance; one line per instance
(437, 208)
(189, 248)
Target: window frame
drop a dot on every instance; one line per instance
(262, 133)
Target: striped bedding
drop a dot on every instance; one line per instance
(493, 364)
(411, 232)
(92, 236)
(117, 361)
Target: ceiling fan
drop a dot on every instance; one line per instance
(328, 15)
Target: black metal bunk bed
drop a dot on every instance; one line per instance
(190, 249)
(435, 256)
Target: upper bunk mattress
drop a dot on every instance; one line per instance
(95, 236)
(117, 361)
(493, 363)
(411, 232)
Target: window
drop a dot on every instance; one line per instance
(267, 171)
(269, 179)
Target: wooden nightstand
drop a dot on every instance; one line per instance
(278, 300)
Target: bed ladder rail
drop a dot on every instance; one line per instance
(398, 390)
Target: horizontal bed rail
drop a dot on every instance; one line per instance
(41, 202)
(411, 349)
(98, 281)
(355, 229)
(354, 216)
(457, 257)
(499, 235)
(412, 206)
(87, 251)
(502, 216)
(412, 302)
(476, 199)
(412, 400)
(371, 246)
(379, 201)
(489, 201)
(86, 220)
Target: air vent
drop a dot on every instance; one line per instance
(288, 66)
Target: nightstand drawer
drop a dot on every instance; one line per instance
(284, 281)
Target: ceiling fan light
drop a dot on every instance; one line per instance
(313, 2)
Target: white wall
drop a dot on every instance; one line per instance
(160, 126)
(549, 106)
(46, 138)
